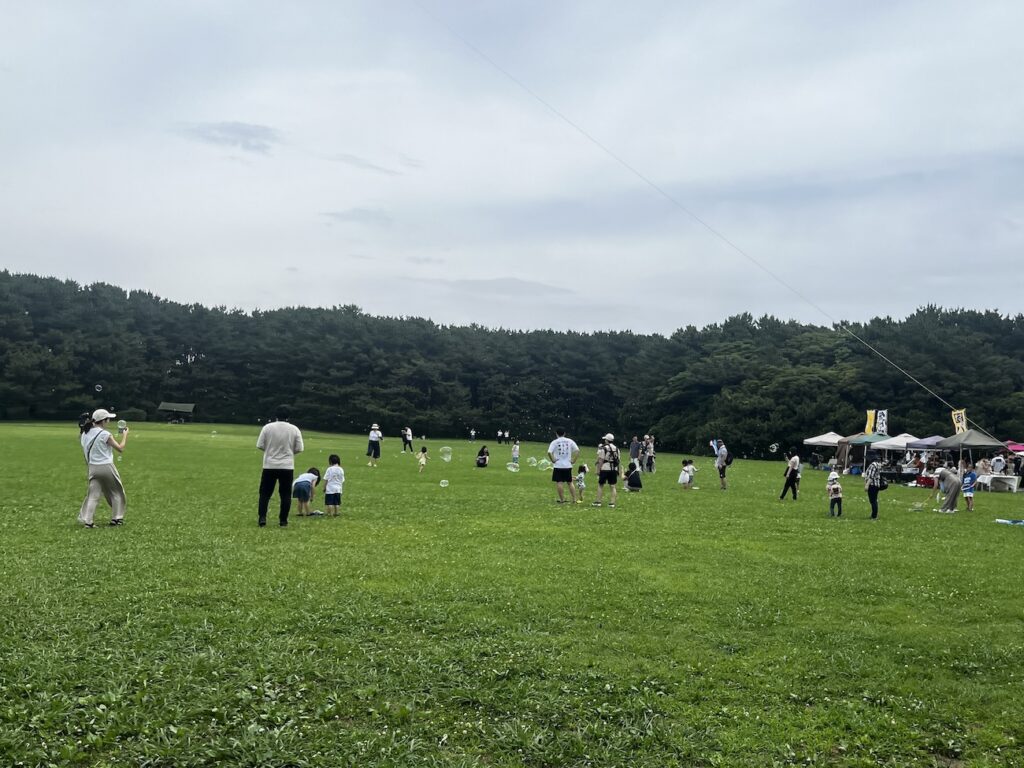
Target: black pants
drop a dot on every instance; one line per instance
(791, 482)
(406, 443)
(282, 478)
(873, 498)
(835, 507)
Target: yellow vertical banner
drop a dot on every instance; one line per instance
(960, 420)
(869, 427)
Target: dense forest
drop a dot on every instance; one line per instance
(752, 381)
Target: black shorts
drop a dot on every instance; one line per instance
(608, 476)
(721, 470)
(561, 475)
(332, 499)
(373, 449)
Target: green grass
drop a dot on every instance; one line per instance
(481, 624)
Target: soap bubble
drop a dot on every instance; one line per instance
(512, 467)
(98, 387)
(544, 464)
(214, 433)
(443, 483)
(122, 425)
(446, 453)
(773, 448)
(532, 461)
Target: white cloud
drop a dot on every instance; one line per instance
(859, 152)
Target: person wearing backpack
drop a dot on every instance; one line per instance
(609, 466)
(722, 462)
(99, 445)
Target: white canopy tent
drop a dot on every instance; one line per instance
(828, 440)
(898, 443)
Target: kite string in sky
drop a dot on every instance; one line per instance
(667, 196)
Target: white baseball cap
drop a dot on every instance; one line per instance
(833, 477)
(101, 414)
(609, 436)
(374, 426)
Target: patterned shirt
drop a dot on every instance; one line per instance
(873, 474)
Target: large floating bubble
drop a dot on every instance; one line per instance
(122, 425)
(98, 387)
(443, 483)
(532, 461)
(446, 453)
(544, 464)
(512, 467)
(773, 448)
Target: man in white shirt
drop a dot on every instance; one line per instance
(563, 453)
(279, 441)
(722, 455)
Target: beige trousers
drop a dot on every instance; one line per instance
(103, 481)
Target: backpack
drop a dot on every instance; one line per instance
(728, 459)
(613, 459)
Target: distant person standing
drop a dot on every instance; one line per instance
(722, 462)
(334, 485)
(967, 486)
(279, 441)
(835, 495)
(791, 474)
(515, 452)
(407, 439)
(99, 445)
(634, 450)
(500, 433)
(506, 437)
(872, 484)
(950, 483)
(373, 445)
(472, 435)
(563, 453)
(608, 469)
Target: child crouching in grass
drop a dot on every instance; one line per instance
(303, 489)
(633, 482)
(334, 482)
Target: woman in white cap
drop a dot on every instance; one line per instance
(99, 445)
(373, 446)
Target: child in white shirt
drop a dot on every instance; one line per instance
(515, 452)
(686, 474)
(334, 481)
(421, 458)
(581, 482)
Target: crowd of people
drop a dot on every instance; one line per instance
(280, 441)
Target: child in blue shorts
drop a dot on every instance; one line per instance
(334, 482)
(303, 489)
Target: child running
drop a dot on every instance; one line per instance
(835, 495)
(686, 474)
(422, 458)
(303, 489)
(334, 481)
(581, 482)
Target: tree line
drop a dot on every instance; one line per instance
(752, 381)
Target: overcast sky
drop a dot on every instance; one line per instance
(268, 154)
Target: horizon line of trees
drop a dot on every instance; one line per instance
(752, 382)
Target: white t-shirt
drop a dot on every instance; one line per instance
(686, 475)
(562, 449)
(375, 435)
(794, 464)
(722, 453)
(334, 479)
(279, 441)
(101, 452)
(306, 477)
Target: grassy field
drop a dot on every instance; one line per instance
(481, 624)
